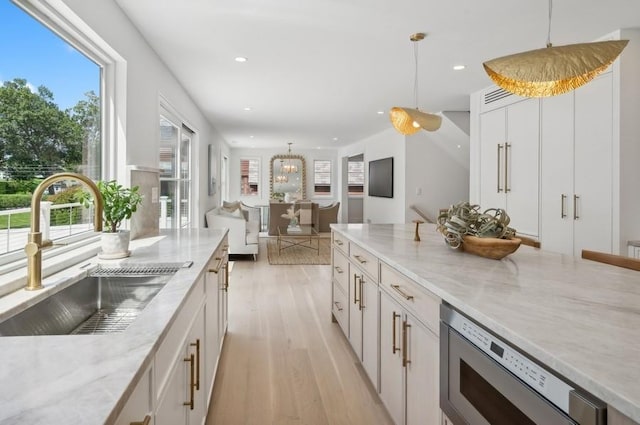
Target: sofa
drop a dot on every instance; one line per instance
(243, 222)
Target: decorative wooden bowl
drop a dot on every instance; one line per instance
(490, 247)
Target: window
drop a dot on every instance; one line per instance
(249, 177)
(54, 91)
(355, 175)
(322, 177)
(175, 174)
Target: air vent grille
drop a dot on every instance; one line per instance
(495, 95)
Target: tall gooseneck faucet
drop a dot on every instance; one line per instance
(34, 245)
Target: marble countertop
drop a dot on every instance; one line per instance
(85, 379)
(580, 318)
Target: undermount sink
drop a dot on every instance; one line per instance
(105, 302)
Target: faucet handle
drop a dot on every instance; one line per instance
(31, 249)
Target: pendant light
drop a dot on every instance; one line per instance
(410, 120)
(282, 178)
(289, 167)
(553, 70)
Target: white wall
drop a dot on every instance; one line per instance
(437, 166)
(383, 145)
(146, 79)
(264, 156)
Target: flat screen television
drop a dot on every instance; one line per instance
(381, 178)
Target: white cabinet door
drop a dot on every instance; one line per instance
(194, 345)
(593, 165)
(522, 167)
(391, 370)
(223, 299)
(370, 305)
(212, 340)
(171, 409)
(493, 128)
(139, 404)
(422, 393)
(556, 174)
(355, 311)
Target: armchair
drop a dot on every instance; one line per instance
(276, 209)
(327, 215)
(243, 222)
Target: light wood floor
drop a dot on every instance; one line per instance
(284, 361)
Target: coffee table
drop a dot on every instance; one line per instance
(303, 236)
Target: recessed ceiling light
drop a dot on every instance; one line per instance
(335, 139)
(240, 59)
(235, 142)
(459, 146)
(250, 137)
(247, 109)
(380, 112)
(458, 67)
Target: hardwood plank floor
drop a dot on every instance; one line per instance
(284, 361)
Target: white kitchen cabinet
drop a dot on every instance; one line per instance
(409, 365)
(340, 304)
(183, 400)
(576, 169)
(139, 406)
(363, 321)
(508, 155)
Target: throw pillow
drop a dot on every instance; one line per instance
(231, 206)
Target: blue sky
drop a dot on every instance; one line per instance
(31, 51)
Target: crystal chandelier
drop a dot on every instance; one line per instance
(289, 168)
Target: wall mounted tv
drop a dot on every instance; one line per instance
(381, 178)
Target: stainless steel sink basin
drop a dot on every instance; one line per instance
(106, 302)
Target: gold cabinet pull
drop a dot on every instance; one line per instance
(338, 242)
(360, 259)
(401, 292)
(575, 207)
(192, 384)
(563, 198)
(337, 304)
(145, 421)
(355, 288)
(339, 269)
(393, 345)
(506, 168)
(405, 326)
(217, 268)
(360, 305)
(197, 345)
(499, 189)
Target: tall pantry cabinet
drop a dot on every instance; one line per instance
(580, 159)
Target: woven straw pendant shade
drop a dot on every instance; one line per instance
(553, 70)
(409, 121)
(403, 120)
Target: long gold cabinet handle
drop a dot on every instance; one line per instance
(506, 168)
(145, 421)
(401, 292)
(356, 286)
(360, 259)
(393, 334)
(575, 207)
(360, 305)
(192, 384)
(197, 345)
(499, 189)
(405, 326)
(563, 198)
(225, 287)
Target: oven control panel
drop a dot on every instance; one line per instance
(534, 375)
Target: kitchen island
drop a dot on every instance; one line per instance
(580, 318)
(88, 379)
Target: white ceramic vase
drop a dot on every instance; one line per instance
(115, 245)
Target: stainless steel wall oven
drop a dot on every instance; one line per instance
(486, 381)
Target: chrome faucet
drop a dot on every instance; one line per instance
(34, 245)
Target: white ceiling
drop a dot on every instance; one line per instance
(319, 70)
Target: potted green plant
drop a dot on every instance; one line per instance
(119, 204)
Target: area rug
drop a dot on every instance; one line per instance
(299, 254)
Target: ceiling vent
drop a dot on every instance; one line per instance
(495, 95)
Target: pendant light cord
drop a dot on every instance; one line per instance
(415, 75)
(549, 28)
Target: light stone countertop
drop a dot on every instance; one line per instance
(85, 379)
(580, 318)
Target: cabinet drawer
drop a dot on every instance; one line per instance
(340, 242)
(364, 259)
(340, 270)
(420, 302)
(340, 308)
